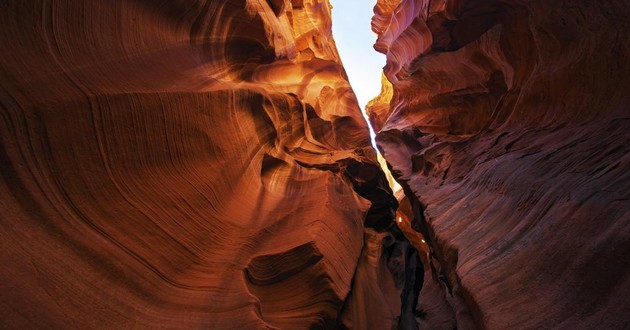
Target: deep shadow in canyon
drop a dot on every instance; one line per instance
(205, 164)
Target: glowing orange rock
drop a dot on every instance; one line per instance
(378, 108)
(181, 164)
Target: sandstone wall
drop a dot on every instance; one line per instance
(182, 164)
(508, 125)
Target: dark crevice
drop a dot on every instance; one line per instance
(440, 264)
(370, 182)
(414, 279)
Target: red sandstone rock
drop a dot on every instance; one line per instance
(510, 123)
(183, 164)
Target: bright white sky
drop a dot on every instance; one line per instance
(354, 37)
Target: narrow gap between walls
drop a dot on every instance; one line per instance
(352, 32)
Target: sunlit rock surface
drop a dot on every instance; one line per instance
(184, 164)
(377, 109)
(509, 123)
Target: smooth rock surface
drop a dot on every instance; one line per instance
(182, 164)
(509, 122)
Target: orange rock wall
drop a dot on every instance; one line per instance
(182, 164)
(509, 126)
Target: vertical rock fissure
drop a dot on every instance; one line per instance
(372, 185)
(396, 253)
(438, 264)
(414, 276)
(455, 304)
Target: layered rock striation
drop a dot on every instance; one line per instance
(508, 126)
(186, 164)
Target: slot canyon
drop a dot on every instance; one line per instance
(204, 164)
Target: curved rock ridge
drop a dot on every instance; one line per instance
(183, 164)
(377, 109)
(509, 126)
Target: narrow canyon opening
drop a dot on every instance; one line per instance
(207, 165)
(354, 38)
(353, 35)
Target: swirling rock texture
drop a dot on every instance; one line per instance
(508, 126)
(187, 164)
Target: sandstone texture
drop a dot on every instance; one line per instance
(508, 125)
(187, 164)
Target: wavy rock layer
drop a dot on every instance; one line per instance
(180, 164)
(509, 126)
